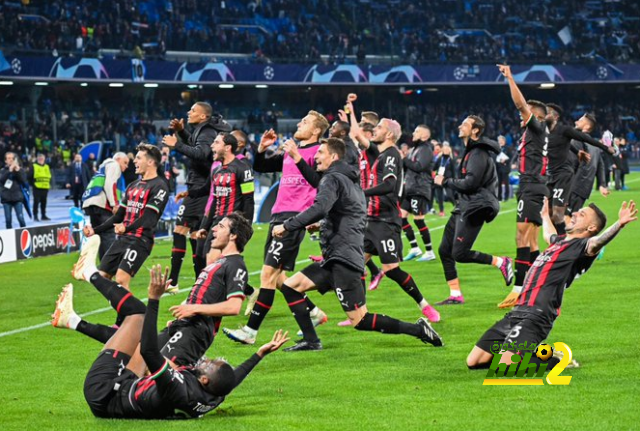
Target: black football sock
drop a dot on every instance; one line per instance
(408, 231)
(178, 251)
(120, 298)
(406, 282)
(523, 255)
(199, 262)
(533, 256)
(373, 268)
(98, 332)
(298, 306)
(424, 233)
(261, 308)
(310, 304)
(560, 229)
(387, 325)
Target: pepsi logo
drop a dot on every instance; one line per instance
(25, 243)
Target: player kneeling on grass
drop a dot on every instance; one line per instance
(116, 387)
(340, 208)
(218, 292)
(552, 272)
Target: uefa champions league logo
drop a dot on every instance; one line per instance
(16, 66)
(269, 73)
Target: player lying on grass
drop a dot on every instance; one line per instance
(116, 386)
(552, 272)
(218, 291)
(340, 208)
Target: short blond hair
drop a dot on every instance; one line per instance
(371, 117)
(319, 121)
(394, 127)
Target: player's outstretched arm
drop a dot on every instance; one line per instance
(627, 214)
(516, 94)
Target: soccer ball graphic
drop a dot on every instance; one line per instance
(544, 352)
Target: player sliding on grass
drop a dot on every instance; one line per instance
(552, 272)
(116, 387)
(218, 291)
(340, 208)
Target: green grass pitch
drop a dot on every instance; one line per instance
(361, 380)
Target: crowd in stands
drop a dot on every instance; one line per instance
(303, 30)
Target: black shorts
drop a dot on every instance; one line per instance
(575, 203)
(416, 205)
(191, 212)
(106, 382)
(344, 280)
(184, 344)
(125, 254)
(560, 189)
(514, 329)
(282, 252)
(383, 239)
(530, 199)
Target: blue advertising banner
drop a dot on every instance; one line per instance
(88, 69)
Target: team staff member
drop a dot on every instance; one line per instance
(196, 147)
(418, 166)
(135, 222)
(100, 204)
(532, 165)
(12, 177)
(478, 204)
(78, 176)
(41, 179)
(538, 305)
(340, 206)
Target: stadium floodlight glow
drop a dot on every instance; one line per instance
(116, 84)
(6, 82)
(192, 86)
(225, 86)
(431, 89)
(84, 84)
(151, 85)
(41, 84)
(547, 85)
(262, 86)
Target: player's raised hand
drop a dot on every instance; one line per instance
(505, 70)
(343, 116)
(158, 281)
(268, 139)
(169, 140)
(276, 342)
(177, 125)
(291, 148)
(628, 213)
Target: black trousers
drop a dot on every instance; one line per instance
(40, 199)
(76, 193)
(503, 182)
(98, 216)
(458, 238)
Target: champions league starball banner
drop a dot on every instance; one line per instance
(93, 69)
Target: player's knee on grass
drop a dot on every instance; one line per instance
(478, 359)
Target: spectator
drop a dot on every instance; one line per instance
(78, 176)
(41, 180)
(12, 179)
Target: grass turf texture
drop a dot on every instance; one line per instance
(361, 380)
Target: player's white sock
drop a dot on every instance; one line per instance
(517, 289)
(89, 271)
(423, 304)
(498, 261)
(456, 292)
(73, 321)
(314, 312)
